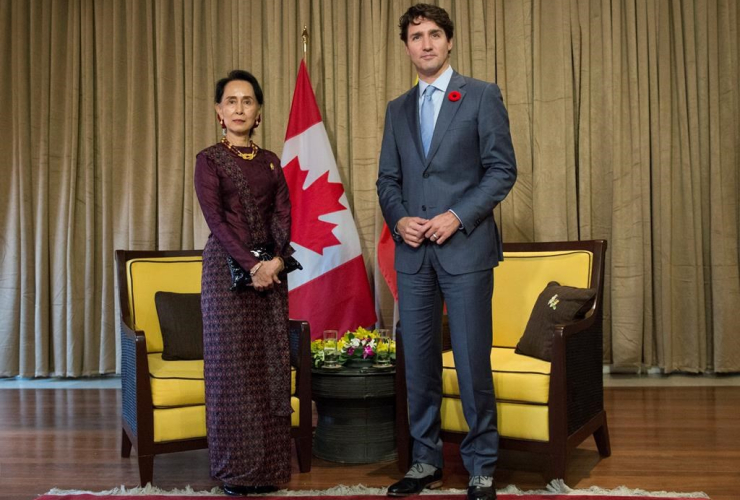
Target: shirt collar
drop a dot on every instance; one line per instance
(441, 83)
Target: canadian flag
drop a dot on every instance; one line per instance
(332, 291)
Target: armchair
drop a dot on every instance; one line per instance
(545, 408)
(163, 402)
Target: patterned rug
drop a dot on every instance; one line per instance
(556, 490)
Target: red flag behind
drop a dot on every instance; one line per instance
(386, 258)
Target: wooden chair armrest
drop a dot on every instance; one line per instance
(136, 391)
(300, 343)
(577, 370)
(300, 358)
(576, 327)
(130, 333)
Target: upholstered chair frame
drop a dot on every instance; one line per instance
(137, 412)
(576, 393)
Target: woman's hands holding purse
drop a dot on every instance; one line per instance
(265, 273)
(257, 277)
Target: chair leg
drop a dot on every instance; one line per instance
(303, 450)
(601, 436)
(125, 444)
(146, 469)
(403, 447)
(555, 467)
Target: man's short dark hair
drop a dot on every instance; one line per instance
(437, 15)
(239, 74)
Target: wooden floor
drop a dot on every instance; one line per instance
(679, 439)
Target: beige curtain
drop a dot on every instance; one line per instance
(625, 117)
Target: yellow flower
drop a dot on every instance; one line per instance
(317, 345)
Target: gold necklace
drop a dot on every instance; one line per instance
(244, 156)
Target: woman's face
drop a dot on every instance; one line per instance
(238, 108)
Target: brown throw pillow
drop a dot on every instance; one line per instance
(181, 323)
(556, 305)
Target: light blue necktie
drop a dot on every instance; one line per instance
(426, 118)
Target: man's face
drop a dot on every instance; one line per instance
(428, 47)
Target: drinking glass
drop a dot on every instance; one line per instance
(331, 355)
(383, 349)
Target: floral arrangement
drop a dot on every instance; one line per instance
(359, 344)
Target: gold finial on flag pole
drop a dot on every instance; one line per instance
(304, 35)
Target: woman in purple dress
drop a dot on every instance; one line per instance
(244, 198)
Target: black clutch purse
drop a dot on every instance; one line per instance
(241, 279)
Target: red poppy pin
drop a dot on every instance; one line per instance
(454, 96)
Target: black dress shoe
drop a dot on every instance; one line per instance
(413, 486)
(482, 492)
(241, 491)
(235, 491)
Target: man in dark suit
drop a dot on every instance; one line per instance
(446, 162)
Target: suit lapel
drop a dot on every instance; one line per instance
(446, 114)
(411, 107)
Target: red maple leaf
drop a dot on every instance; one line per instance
(307, 205)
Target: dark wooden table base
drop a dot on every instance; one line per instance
(356, 415)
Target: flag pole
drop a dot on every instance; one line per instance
(304, 36)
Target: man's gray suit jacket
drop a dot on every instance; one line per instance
(470, 169)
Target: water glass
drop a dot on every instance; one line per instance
(383, 350)
(331, 354)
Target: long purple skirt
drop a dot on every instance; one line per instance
(247, 377)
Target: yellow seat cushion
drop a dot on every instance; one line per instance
(176, 383)
(515, 377)
(522, 386)
(520, 421)
(185, 422)
(180, 383)
(188, 422)
(146, 277)
(295, 417)
(520, 279)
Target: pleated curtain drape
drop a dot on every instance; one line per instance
(625, 117)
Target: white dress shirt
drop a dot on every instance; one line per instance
(441, 84)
